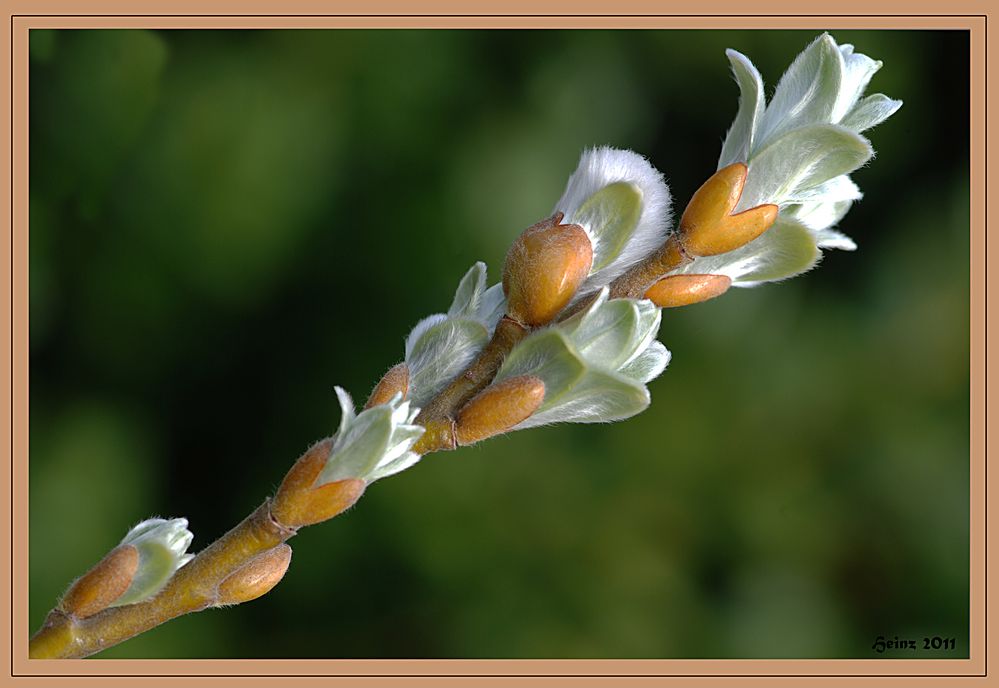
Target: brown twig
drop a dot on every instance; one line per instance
(251, 558)
(193, 588)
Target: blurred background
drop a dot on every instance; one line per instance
(225, 224)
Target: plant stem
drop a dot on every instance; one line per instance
(193, 588)
(438, 415)
(636, 281)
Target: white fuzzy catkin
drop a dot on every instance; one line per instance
(599, 168)
(800, 149)
(443, 344)
(595, 365)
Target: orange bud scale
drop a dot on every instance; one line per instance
(707, 226)
(298, 503)
(396, 380)
(684, 290)
(498, 408)
(99, 587)
(543, 270)
(255, 578)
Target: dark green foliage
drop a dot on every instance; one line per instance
(226, 224)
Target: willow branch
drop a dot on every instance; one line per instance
(227, 572)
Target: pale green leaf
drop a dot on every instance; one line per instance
(789, 250)
(649, 364)
(840, 188)
(830, 238)
(649, 318)
(548, 355)
(818, 216)
(739, 141)
(870, 112)
(802, 159)
(598, 396)
(806, 93)
(161, 546)
(346, 409)
(440, 353)
(857, 72)
(406, 460)
(361, 447)
(469, 292)
(607, 335)
(492, 306)
(786, 249)
(611, 214)
(157, 566)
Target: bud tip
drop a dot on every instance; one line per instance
(255, 578)
(498, 408)
(396, 380)
(544, 268)
(99, 587)
(707, 226)
(683, 290)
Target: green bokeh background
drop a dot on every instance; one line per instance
(225, 224)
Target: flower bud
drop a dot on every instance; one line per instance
(683, 290)
(396, 380)
(594, 364)
(99, 587)
(498, 408)
(707, 226)
(544, 267)
(372, 444)
(623, 204)
(298, 503)
(161, 545)
(256, 577)
(444, 344)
